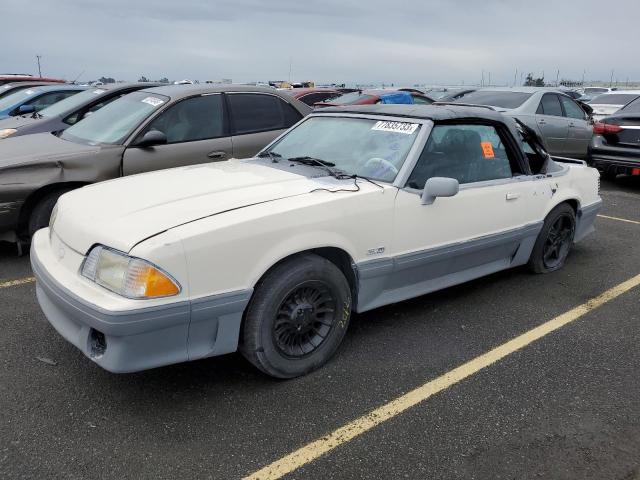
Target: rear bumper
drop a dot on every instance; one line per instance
(585, 219)
(607, 158)
(140, 339)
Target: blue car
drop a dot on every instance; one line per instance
(34, 99)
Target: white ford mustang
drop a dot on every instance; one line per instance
(349, 210)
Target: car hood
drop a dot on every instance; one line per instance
(32, 149)
(123, 212)
(19, 121)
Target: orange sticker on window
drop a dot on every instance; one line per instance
(487, 149)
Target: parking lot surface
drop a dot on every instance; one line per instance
(563, 406)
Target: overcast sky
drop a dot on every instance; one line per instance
(405, 42)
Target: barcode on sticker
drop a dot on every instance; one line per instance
(153, 101)
(396, 127)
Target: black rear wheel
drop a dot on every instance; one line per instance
(297, 317)
(41, 213)
(554, 241)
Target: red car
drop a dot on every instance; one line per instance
(10, 78)
(311, 96)
(370, 97)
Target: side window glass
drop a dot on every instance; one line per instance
(252, 112)
(571, 109)
(551, 105)
(43, 101)
(196, 118)
(468, 153)
(417, 99)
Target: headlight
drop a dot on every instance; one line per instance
(7, 132)
(128, 276)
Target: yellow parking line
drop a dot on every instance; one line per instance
(342, 435)
(15, 283)
(619, 219)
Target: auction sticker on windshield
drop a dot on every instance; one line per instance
(153, 101)
(396, 127)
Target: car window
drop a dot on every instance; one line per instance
(614, 99)
(311, 98)
(497, 98)
(571, 108)
(254, 112)
(73, 102)
(420, 100)
(468, 153)
(550, 105)
(85, 112)
(196, 118)
(43, 101)
(633, 107)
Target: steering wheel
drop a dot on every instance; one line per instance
(380, 165)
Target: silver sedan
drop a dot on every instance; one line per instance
(563, 125)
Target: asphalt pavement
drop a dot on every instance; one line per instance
(564, 407)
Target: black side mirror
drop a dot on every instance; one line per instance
(152, 138)
(24, 109)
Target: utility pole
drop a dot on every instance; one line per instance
(38, 57)
(583, 73)
(489, 78)
(482, 81)
(515, 77)
(557, 77)
(611, 81)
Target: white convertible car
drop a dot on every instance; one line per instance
(349, 210)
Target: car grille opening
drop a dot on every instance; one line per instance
(97, 343)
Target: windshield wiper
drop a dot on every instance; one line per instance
(306, 160)
(269, 154)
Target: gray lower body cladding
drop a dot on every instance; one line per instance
(143, 338)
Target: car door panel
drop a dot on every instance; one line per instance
(580, 130)
(247, 145)
(554, 126)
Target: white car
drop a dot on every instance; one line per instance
(609, 103)
(351, 209)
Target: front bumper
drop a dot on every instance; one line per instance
(143, 338)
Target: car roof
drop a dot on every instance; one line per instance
(297, 92)
(182, 91)
(618, 92)
(125, 85)
(426, 112)
(520, 89)
(57, 88)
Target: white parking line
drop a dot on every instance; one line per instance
(619, 219)
(351, 430)
(15, 283)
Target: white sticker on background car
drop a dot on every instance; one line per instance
(98, 91)
(29, 92)
(396, 127)
(153, 101)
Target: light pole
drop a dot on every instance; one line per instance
(38, 57)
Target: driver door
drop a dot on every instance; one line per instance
(196, 132)
(477, 231)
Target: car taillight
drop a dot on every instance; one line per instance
(601, 128)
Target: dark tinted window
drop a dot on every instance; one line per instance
(633, 107)
(614, 99)
(47, 99)
(468, 153)
(311, 98)
(253, 112)
(550, 105)
(571, 108)
(496, 98)
(420, 100)
(353, 98)
(196, 118)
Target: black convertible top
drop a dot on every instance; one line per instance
(427, 112)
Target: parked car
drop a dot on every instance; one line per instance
(561, 122)
(609, 103)
(146, 130)
(12, 78)
(370, 97)
(9, 88)
(311, 96)
(447, 94)
(32, 100)
(591, 92)
(353, 208)
(615, 146)
(69, 111)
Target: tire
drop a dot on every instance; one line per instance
(554, 240)
(41, 213)
(297, 317)
(609, 174)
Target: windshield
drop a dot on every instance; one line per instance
(496, 98)
(71, 103)
(633, 107)
(16, 98)
(356, 146)
(350, 98)
(114, 122)
(614, 99)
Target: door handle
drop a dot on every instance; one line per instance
(541, 121)
(512, 196)
(216, 155)
(571, 124)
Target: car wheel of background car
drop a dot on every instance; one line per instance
(297, 317)
(554, 241)
(41, 213)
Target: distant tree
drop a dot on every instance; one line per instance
(143, 79)
(107, 80)
(533, 82)
(164, 80)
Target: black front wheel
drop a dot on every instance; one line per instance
(554, 241)
(297, 317)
